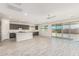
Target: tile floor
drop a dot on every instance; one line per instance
(40, 46)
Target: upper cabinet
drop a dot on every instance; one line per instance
(17, 26)
(36, 27)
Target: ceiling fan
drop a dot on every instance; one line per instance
(50, 16)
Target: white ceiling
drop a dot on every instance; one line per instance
(38, 12)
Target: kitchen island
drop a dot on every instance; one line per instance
(22, 35)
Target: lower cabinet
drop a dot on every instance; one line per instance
(12, 35)
(35, 33)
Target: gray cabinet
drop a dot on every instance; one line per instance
(17, 26)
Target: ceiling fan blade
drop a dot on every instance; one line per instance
(49, 17)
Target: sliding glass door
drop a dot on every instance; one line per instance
(54, 33)
(57, 30)
(66, 31)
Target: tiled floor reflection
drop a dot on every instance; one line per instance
(40, 46)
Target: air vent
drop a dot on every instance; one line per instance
(15, 7)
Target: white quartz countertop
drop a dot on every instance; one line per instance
(22, 31)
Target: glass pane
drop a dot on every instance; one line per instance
(57, 30)
(54, 30)
(66, 31)
(75, 31)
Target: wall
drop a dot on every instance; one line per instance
(43, 32)
(4, 29)
(0, 31)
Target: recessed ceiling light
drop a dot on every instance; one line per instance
(25, 14)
